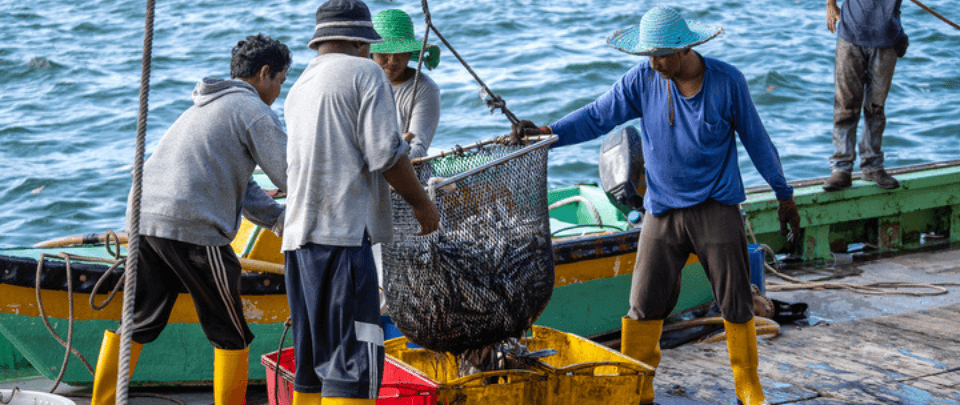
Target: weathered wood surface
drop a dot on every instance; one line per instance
(910, 358)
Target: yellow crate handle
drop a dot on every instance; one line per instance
(511, 376)
(589, 367)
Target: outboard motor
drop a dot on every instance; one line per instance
(621, 168)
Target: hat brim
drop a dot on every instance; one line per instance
(627, 40)
(359, 34)
(397, 45)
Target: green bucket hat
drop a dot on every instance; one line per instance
(396, 28)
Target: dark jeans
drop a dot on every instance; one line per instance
(863, 76)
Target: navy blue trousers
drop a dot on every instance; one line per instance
(337, 335)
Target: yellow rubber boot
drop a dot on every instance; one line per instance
(348, 401)
(641, 340)
(230, 369)
(742, 345)
(105, 377)
(305, 398)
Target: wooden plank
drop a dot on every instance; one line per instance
(934, 327)
(884, 353)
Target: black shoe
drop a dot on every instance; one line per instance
(838, 181)
(882, 178)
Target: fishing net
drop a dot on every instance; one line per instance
(486, 275)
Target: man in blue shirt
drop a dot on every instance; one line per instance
(688, 108)
(868, 44)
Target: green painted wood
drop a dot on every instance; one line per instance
(183, 350)
(597, 306)
(13, 365)
(955, 222)
(924, 203)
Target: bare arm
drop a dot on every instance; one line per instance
(403, 179)
(833, 15)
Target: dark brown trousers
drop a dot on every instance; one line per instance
(715, 233)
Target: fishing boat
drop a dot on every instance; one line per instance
(594, 250)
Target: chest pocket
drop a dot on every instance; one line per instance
(715, 132)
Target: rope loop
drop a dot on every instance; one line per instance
(13, 393)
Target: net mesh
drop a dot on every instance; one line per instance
(487, 273)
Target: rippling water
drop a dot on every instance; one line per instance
(70, 71)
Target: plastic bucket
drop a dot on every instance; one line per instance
(33, 398)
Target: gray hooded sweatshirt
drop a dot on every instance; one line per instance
(198, 180)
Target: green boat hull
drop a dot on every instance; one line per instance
(593, 268)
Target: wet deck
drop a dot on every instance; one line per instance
(889, 349)
(886, 349)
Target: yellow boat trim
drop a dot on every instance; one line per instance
(603, 267)
(23, 301)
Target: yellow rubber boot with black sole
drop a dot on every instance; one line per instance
(641, 340)
(307, 398)
(742, 345)
(230, 370)
(105, 376)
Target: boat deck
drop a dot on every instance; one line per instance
(887, 349)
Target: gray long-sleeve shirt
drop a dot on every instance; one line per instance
(198, 181)
(426, 112)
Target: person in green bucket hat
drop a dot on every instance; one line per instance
(690, 109)
(398, 48)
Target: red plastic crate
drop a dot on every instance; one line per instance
(401, 384)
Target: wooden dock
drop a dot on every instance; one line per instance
(910, 357)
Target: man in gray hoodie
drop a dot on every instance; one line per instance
(196, 184)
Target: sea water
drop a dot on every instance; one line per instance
(70, 77)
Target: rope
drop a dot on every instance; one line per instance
(878, 288)
(13, 393)
(276, 367)
(117, 260)
(68, 260)
(133, 246)
(416, 76)
(936, 14)
(493, 101)
(578, 199)
(43, 316)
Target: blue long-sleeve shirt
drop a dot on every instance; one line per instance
(695, 158)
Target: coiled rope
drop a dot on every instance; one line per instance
(878, 288)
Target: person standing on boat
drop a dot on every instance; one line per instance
(398, 48)
(196, 184)
(344, 153)
(688, 107)
(868, 45)
(393, 55)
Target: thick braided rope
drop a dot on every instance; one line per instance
(133, 247)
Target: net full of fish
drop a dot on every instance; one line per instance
(486, 275)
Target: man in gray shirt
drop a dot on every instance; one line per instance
(196, 184)
(345, 152)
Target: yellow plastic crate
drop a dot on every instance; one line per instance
(584, 372)
(581, 373)
(522, 387)
(256, 243)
